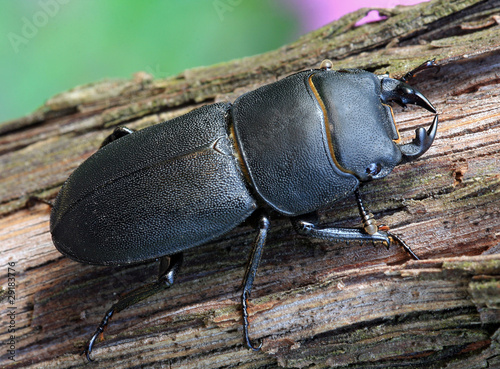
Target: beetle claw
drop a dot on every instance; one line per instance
(250, 345)
(402, 93)
(88, 348)
(99, 333)
(244, 301)
(421, 143)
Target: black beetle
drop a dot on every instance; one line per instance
(294, 146)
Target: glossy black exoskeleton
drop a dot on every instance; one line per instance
(294, 147)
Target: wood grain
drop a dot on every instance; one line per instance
(315, 304)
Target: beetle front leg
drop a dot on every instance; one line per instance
(250, 273)
(169, 266)
(306, 225)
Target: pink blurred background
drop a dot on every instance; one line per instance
(317, 13)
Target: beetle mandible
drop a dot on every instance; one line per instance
(294, 146)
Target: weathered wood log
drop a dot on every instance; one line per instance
(315, 304)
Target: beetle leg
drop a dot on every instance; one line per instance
(403, 245)
(33, 199)
(250, 273)
(169, 266)
(119, 132)
(427, 64)
(306, 225)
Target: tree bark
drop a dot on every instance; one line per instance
(315, 304)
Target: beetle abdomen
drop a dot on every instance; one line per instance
(152, 193)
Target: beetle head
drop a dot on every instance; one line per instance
(364, 140)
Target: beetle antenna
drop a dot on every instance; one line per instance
(369, 222)
(370, 226)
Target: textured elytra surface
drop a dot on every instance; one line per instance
(155, 192)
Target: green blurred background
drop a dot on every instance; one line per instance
(48, 46)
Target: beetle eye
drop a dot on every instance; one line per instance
(373, 169)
